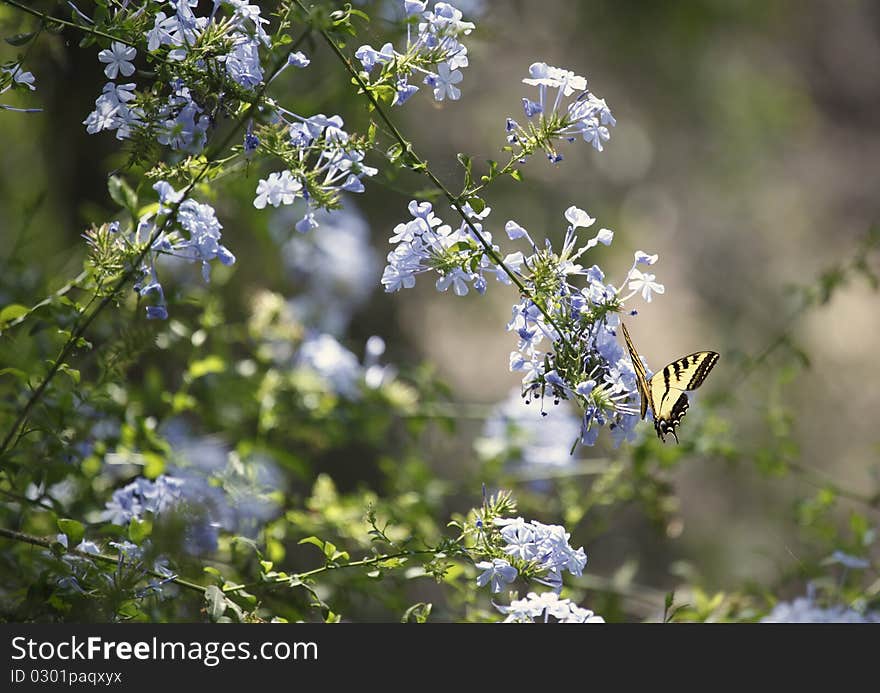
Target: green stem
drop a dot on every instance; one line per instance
(72, 284)
(104, 558)
(47, 18)
(419, 164)
(819, 479)
(300, 577)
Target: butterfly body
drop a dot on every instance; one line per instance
(665, 391)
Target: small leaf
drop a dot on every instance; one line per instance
(122, 194)
(12, 312)
(477, 204)
(16, 372)
(20, 39)
(73, 373)
(216, 602)
(75, 531)
(138, 530)
(206, 366)
(314, 541)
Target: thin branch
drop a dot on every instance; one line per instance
(300, 577)
(49, 19)
(104, 558)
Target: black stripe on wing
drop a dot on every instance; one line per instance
(667, 424)
(694, 368)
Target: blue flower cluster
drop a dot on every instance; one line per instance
(427, 244)
(433, 51)
(520, 435)
(326, 155)
(193, 235)
(181, 122)
(551, 118)
(333, 270)
(546, 545)
(13, 76)
(566, 320)
(601, 378)
(539, 608)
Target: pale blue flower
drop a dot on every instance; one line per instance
(278, 189)
(497, 571)
(118, 58)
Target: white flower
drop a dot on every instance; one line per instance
(645, 284)
(578, 218)
(543, 606)
(118, 58)
(279, 188)
(542, 74)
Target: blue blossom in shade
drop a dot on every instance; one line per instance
(326, 357)
(540, 608)
(243, 62)
(181, 228)
(498, 572)
(18, 76)
(183, 123)
(251, 142)
(806, 610)
(298, 59)
(164, 496)
(333, 269)
(525, 436)
(14, 77)
(433, 50)
(848, 561)
(571, 112)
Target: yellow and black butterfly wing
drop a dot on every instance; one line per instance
(641, 374)
(669, 403)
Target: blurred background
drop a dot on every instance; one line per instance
(745, 154)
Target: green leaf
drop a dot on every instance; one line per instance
(75, 531)
(138, 530)
(122, 194)
(216, 602)
(477, 203)
(417, 613)
(314, 541)
(206, 366)
(12, 312)
(467, 163)
(16, 372)
(20, 39)
(517, 175)
(73, 373)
